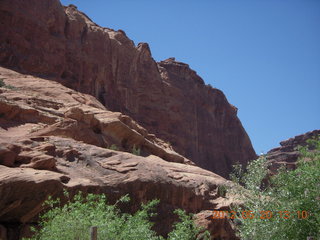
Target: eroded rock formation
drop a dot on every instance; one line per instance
(78, 90)
(167, 98)
(287, 154)
(54, 138)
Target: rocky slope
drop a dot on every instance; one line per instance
(287, 154)
(54, 138)
(167, 98)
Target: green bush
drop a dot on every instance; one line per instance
(74, 219)
(136, 150)
(114, 147)
(4, 85)
(286, 196)
(185, 229)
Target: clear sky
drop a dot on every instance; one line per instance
(264, 55)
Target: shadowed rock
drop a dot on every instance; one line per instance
(54, 138)
(287, 154)
(167, 98)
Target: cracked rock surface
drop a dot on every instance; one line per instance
(53, 138)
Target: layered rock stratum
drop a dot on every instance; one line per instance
(167, 98)
(71, 91)
(53, 138)
(287, 154)
(77, 98)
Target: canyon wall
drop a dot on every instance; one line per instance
(287, 154)
(53, 138)
(168, 98)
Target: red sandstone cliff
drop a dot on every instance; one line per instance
(288, 154)
(53, 138)
(167, 98)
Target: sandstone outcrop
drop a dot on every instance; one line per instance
(40, 107)
(287, 154)
(93, 169)
(167, 98)
(219, 229)
(53, 138)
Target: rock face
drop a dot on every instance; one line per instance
(38, 107)
(287, 154)
(167, 98)
(54, 138)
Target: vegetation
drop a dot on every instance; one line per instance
(186, 229)
(4, 85)
(74, 219)
(222, 190)
(136, 150)
(288, 206)
(114, 147)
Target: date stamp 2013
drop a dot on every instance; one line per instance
(260, 214)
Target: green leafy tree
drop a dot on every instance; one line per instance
(185, 229)
(74, 219)
(288, 207)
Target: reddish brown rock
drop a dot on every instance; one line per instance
(219, 229)
(287, 154)
(64, 146)
(212, 134)
(60, 111)
(7, 157)
(3, 233)
(99, 170)
(167, 98)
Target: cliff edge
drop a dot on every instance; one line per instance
(169, 99)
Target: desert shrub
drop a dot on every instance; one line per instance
(185, 229)
(4, 85)
(114, 147)
(74, 219)
(291, 196)
(222, 190)
(136, 150)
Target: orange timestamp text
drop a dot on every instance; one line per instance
(260, 214)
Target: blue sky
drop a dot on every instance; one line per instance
(264, 55)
